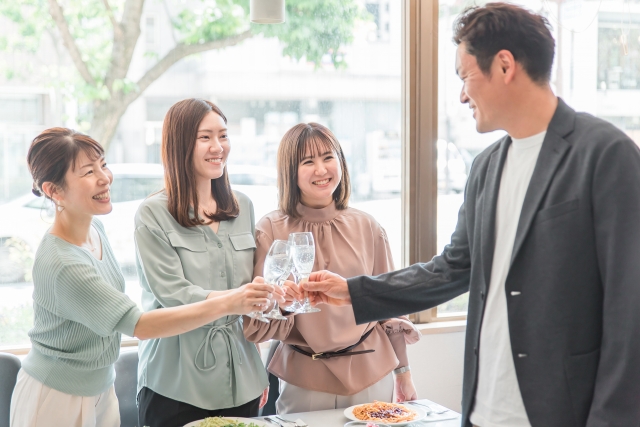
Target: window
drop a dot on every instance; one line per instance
(604, 81)
(25, 108)
(150, 36)
(380, 15)
(262, 90)
(618, 55)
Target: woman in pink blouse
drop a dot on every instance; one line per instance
(314, 189)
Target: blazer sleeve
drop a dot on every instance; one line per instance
(399, 330)
(418, 287)
(616, 216)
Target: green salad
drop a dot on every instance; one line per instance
(224, 422)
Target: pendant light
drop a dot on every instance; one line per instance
(266, 11)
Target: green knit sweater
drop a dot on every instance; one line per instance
(80, 311)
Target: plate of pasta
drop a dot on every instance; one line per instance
(392, 414)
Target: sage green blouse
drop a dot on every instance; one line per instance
(212, 367)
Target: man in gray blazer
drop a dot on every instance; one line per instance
(547, 243)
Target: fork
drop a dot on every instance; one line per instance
(441, 411)
(429, 408)
(295, 423)
(271, 420)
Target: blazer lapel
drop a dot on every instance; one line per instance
(490, 200)
(553, 150)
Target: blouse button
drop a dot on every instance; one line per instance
(222, 274)
(219, 245)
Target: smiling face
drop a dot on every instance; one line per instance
(86, 189)
(319, 174)
(212, 148)
(483, 92)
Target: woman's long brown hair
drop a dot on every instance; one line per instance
(179, 134)
(298, 142)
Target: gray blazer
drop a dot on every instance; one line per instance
(573, 288)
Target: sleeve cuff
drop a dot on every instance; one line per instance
(128, 322)
(360, 311)
(199, 294)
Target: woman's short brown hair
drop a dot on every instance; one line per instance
(486, 30)
(298, 142)
(179, 135)
(54, 152)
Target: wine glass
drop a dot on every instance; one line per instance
(303, 253)
(295, 304)
(277, 267)
(259, 315)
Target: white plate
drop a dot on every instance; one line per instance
(244, 420)
(419, 411)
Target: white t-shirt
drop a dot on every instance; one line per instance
(498, 401)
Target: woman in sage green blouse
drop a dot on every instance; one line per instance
(80, 309)
(195, 240)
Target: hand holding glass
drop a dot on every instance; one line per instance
(295, 305)
(277, 267)
(303, 252)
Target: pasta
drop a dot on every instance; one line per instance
(384, 412)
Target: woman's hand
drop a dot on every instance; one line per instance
(404, 388)
(292, 292)
(264, 397)
(254, 296)
(278, 295)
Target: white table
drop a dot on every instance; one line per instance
(336, 418)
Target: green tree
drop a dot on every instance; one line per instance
(99, 36)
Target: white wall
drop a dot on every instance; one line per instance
(436, 367)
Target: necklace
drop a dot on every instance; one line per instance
(92, 247)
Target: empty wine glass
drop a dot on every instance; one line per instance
(277, 267)
(303, 253)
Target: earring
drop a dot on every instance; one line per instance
(60, 207)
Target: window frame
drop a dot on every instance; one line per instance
(419, 136)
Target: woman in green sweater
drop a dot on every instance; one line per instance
(80, 310)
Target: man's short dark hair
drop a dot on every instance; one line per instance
(496, 26)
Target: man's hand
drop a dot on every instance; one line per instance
(328, 288)
(404, 388)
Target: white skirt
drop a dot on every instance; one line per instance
(295, 399)
(33, 404)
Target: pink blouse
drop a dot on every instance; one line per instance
(351, 243)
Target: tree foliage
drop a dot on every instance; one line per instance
(99, 37)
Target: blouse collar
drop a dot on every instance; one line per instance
(318, 215)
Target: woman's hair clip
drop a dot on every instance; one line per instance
(36, 191)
